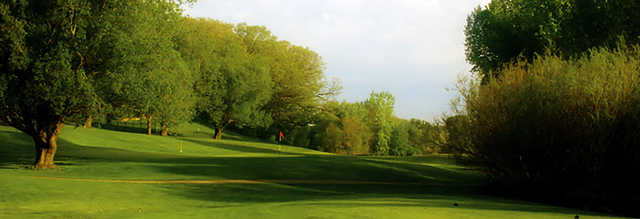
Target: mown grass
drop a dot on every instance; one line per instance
(428, 185)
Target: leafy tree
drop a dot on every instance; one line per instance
(55, 57)
(399, 141)
(333, 138)
(158, 83)
(361, 127)
(458, 136)
(177, 103)
(356, 135)
(234, 84)
(299, 87)
(379, 114)
(507, 30)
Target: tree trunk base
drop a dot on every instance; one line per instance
(165, 130)
(218, 133)
(149, 117)
(45, 166)
(46, 146)
(88, 122)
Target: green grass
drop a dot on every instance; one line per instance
(427, 186)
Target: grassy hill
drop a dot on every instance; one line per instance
(110, 174)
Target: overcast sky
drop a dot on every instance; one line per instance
(411, 48)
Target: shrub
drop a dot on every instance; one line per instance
(569, 125)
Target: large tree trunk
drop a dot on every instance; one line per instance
(165, 130)
(46, 146)
(219, 133)
(149, 117)
(87, 123)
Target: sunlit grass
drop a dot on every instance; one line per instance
(426, 186)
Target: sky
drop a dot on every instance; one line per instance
(413, 49)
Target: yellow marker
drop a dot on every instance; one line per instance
(180, 147)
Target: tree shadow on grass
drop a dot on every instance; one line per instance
(383, 196)
(237, 147)
(17, 148)
(124, 128)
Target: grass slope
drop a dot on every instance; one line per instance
(427, 186)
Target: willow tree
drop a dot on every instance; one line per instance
(56, 56)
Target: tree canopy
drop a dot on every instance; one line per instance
(56, 56)
(233, 83)
(73, 60)
(507, 30)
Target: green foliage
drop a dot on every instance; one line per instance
(379, 113)
(507, 29)
(359, 128)
(153, 80)
(234, 82)
(399, 141)
(427, 137)
(298, 87)
(333, 137)
(66, 58)
(357, 135)
(566, 126)
(298, 84)
(299, 137)
(458, 136)
(253, 82)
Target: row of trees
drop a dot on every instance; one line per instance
(554, 110)
(78, 60)
(367, 127)
(249, 78)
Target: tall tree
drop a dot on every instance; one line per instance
(234, 83)
(299, 86)
(380, 112)
(55, 55)
(158, 83)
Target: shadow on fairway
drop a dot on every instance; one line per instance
(16, 149)
(237, 148)
(357, 196)
(442, 187)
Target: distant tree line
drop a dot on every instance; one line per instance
(553, 112)
(361, 128)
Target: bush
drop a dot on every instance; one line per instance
(405, 150)
(565, 126)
